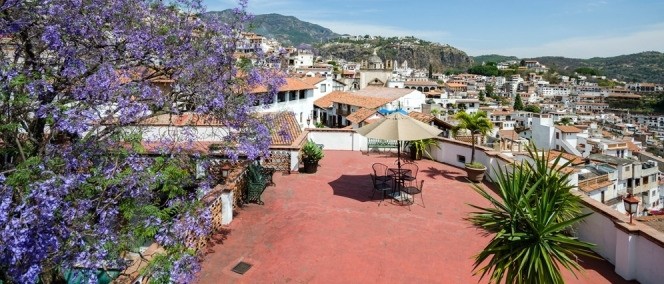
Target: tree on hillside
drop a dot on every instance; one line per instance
(481, 96)
(565, 121)
(76, 186)
(485, 70)
(532, 108)
(518, 103)
(489, 89)
(530, 222)
(587, 71)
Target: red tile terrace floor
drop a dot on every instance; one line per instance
(324, 228)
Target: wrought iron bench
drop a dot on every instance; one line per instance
(378, 144)
(258, 178)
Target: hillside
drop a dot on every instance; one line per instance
(418, 53)
(641, 67)
(494, 58)
(288, 30)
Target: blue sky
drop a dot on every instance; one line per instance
(580, 29)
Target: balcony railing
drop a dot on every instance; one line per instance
(342, 112)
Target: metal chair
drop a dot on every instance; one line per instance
(381, 172)
(381, 186)
(415, 190)
(412, 175)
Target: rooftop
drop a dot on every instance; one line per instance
(611, 159)
(325, 228)
(568, 129)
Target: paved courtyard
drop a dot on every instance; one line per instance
(325, 228)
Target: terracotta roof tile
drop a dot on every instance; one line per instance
(508, 134)
(594, 186)
(576, 160)
(568, 129)
(632, 147)
(360, 115)
(361, 101)
(428, 119)
(328, 100)
(423, 117)
(292, 84)
(284, 127)
(312, 80)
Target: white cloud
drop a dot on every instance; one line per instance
(651, 38)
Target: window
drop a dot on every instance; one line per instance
(461, 159)
(292, 95)
(628, 168)
(303, 94)
(557, 135)
(323, 88)
(281, 97)
(646, 180)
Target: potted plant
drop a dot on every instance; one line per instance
(311, 154)
(419, 147)
(476, 123)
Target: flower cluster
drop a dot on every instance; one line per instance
(78, 190)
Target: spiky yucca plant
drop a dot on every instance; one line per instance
(530, 222)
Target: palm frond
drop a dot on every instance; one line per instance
(529, 220)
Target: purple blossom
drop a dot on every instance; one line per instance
(51, 37)
(84, 72)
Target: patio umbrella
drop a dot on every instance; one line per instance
(397, 126)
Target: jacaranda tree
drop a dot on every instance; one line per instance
(76, 190)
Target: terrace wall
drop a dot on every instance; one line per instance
(636, 250)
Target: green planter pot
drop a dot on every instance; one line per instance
(310, 166)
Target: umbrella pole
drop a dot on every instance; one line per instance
(399, 155)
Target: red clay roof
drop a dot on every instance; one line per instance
(594, 186)
(632, 147)
(423, 117)
(328, 100)
(576, 160)
(292, 84)
(355, 99)
(284, 128)
(360, 115)
(312, 80)
(568, 129)
(508, 134)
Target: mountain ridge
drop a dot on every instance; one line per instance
(288, 30)
(647, 66)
